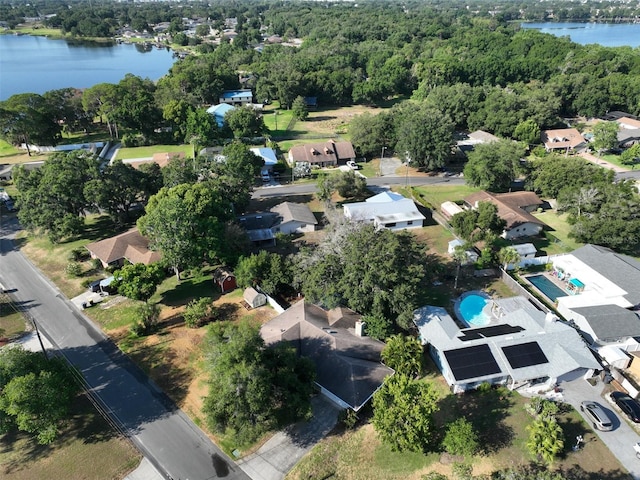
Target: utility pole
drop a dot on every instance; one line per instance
(381, 158)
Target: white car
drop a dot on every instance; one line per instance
(352, 165)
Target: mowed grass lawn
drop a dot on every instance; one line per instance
(148, 152)
(12, 323)
(87, 448)
(560, 230)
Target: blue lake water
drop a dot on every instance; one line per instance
(39, 64)
(605, 34)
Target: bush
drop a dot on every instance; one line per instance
(78, 255)
(198, 312)
(147, 321)
(96, 263)
(348, 418)
(460, 438)
(73, 269)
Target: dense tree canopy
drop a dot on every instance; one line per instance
(403, 414)
(138, 281)
(404, 354)
(35, 393)
(494, 166)
(29, 118)
(373, 272)
(252, 388)
(51, 197)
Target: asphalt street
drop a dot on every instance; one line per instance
(165, 435)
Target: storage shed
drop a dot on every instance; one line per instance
(224, 279)
(254, 298)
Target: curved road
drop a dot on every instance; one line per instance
(165, 435)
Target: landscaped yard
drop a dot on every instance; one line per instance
(561, 228)
(148, 152)
(499, 418)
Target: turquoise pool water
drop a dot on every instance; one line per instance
(546, 286)
(471, 310)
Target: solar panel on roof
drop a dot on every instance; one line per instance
(471, 362)
(486, 332)
(524, 355)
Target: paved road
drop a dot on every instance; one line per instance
(164, 434)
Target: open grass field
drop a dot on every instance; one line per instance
(435, 195)
(87, 448)
(147, 152)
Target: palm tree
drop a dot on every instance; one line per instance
(546, 439)
(508, 255)
(460, 256)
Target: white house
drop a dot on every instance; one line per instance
(604, 292)
(524, 347)
(236, 97)
(386, 210)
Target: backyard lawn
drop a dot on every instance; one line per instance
(148, 152)
(560, 232)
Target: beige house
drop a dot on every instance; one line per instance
(568, 139)
(325, 154)
(130, 246)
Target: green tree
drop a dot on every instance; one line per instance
(460, 438)
(369, 133)
(198, 311)
(631, 156)
(424, 135)
(51, 198)
(117, 189)
(138, 281)
(528, 132)
(201, 129)
(494, 166)
(186, 224)
(508, 255)
(269, 271)
(135, 107)
(605, 136)
(35, 393)
(545, 439)
(551, 174)
(404, 354)
(377, 326)
(403, 413)
(102, 100)
(299, 108)
(251, 388)
(28, 118)
(245, 122)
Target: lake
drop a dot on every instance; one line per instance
(38, 64)
(605, 34)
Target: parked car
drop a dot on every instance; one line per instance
(628, 405)
(352, 165)
(596, 414)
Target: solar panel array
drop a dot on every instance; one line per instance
(471, 362)
(487, 332)
(524, 355)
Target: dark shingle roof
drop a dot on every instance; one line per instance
(622, 270)
(611, 322)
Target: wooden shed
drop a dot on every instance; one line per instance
(254, 298)
(224, 279)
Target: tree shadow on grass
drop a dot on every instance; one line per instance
(189, 289)
(486, 410)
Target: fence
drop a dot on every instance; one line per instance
(513, 284)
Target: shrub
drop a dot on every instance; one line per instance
(198, 312)
(96, 263)
(147, 321)
(460, 438)
(73, 269)
(78, 254)
(348, 418)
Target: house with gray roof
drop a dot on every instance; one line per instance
(348, 366)
(519, 348)
(604, 292)
(386, 210)
(293, 218)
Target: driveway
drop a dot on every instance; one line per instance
(279, 455)
(621, 440)
(601, 162)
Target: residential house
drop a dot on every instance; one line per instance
(628, 123)
(475, 138)
(603, 293)
(236, 97)
(471, 255)
(286, 217)
(268, 156)
(515, 208)
(130, 246)
(224, 278)
(567, 139)
(386, 210)
(521, 348)
(219, 111)
(293, 218)
(325, 154)
(348, 366)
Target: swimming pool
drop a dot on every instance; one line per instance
(471, 309)
(546, 286)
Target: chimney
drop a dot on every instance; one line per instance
(360, 329)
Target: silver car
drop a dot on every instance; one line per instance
(596, 414)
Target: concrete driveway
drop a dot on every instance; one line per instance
(280, 454)
(622, 438)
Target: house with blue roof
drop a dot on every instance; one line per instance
(236, 97)
(219, 111)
